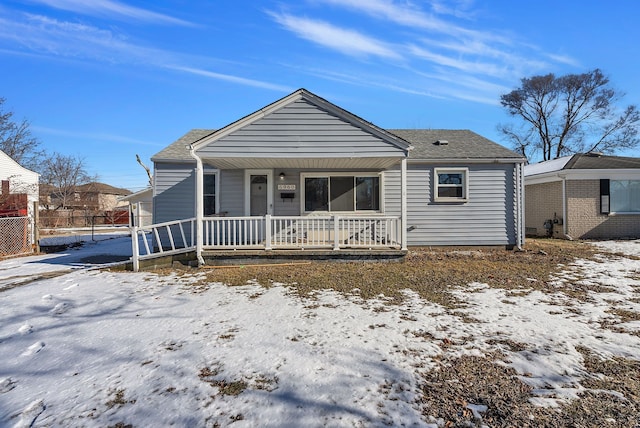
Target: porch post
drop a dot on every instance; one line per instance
(267, 232)
(336, 232)
(135, 251)
(199, 206)
(403, 203)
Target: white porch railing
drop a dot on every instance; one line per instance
(282, 232)
(172, 237)
(268, 232)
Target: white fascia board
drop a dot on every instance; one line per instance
(584, 174)
(247, 120)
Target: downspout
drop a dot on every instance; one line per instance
(519, 207)
(403, 204)
(564, 206)
(199, 206)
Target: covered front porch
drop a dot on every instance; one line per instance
(309, 234)
(298, 174)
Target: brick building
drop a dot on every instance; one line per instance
(584, 196)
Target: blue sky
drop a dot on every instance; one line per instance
(107, 79)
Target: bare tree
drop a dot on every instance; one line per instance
(16, 140)
(60, 176)
(569, 114)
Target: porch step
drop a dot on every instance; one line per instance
(248, 257)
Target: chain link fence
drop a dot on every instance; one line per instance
(15, 235)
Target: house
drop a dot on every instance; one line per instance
(20, 180)
(18, 198)
(140, 207)
(303, 173)
(586, 196)
(83, 205)
(99, 197)
(92, 196)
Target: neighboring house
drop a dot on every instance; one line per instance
(21, 180)
(140, 207)
(100, 196)
(586, 196)
(305, 173)
(91, 196)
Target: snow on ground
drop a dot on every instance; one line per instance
(96, 348)
(100, 248)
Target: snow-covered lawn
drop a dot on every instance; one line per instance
(81, 346)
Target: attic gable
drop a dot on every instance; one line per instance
(295, 110)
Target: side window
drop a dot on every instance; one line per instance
(624, 196)
(209, 194)
(451, 184)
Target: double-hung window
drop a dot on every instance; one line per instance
(341, 192)
(451, 184)
(209, 194)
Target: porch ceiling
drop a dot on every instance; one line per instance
(303, 163)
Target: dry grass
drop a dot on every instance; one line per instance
(447, 391)
(457, 383)
(430, 272)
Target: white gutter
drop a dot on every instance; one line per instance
(459, 161)
(519, 206)
(199, 205)
(564, 204)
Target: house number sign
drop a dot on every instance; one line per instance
(286, 187)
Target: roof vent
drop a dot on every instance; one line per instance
(595, 154)
(442, 143)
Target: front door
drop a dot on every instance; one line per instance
(258, 192)
(258, 195)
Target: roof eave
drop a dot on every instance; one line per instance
(468, 160)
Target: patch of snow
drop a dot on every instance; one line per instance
(151, 350)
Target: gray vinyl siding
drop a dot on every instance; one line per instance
(300, 130)
(231, 193)
(486, 219)
(287, 207)
(174, 192)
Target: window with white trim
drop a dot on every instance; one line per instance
(341, 192)
(209, 194)
(451, 184)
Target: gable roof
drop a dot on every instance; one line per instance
(453, 144)
(420, 144)
(582, 161)
(315, 100)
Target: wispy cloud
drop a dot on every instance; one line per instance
(44, 36)
(408, 15)
(93, 136)
(435, 41)
(113, 9)
(230, 78)
(346, 41)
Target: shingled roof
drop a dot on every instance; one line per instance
(177, 151)
(582, 161)
(434, 144)
(428, 144)
(600, 161)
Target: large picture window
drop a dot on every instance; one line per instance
(209, 194)
(451, 184)
(625, 196)
(341, 193)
